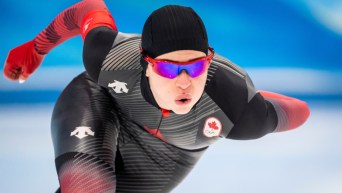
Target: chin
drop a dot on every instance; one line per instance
(181, 111)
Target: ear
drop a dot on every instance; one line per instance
(148, 70)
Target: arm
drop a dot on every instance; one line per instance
(269, 112)
(84, 131)
(253, 114)
(291, 112)
(80, 18)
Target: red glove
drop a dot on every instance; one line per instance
(22, 61)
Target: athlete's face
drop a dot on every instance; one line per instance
(181, 93)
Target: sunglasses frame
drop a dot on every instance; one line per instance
(154, 61)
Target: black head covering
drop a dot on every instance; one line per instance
(172, 28)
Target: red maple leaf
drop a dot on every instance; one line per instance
(213, 125)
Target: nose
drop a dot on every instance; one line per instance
(183, 80)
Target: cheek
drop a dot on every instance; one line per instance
(199, 84)
(161, 86)
(201, 80)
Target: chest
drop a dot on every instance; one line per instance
(202, 126)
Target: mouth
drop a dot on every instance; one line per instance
(183, 100)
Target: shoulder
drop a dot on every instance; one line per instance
(106, 51)
(124, 53)
(223, 63)
(97, 44)
(121, 65)
(124, 37)
(229, 86)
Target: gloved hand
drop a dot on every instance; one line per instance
(22, 61)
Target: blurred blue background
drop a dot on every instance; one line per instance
(288, 46)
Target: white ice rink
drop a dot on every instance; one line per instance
(306, 160)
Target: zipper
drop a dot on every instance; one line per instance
(164, 113)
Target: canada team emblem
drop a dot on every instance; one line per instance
(212, 127)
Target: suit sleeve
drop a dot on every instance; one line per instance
(89, 18)
(97, 44)
(269, 112)
(257, 116)
(257, 119)
(251, 112)
(78, 19)
(291, 112)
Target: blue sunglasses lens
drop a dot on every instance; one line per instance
(195, 69)
(167, 70)
(171, 70)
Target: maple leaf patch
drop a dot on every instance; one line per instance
(212, 127)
